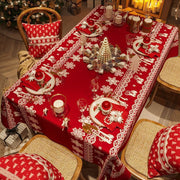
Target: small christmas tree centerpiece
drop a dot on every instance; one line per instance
(105, 58)
(104, 53)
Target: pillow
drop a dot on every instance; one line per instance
(42, 37)
(27, 166)
(164, 156)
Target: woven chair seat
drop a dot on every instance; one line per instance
(171, 72)
(61, 157)
(137, 150)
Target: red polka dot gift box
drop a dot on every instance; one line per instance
(42, 38)
(164, 156)
(27, 166)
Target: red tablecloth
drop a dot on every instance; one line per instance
(130, 89)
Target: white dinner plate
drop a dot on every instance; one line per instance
(49, 85)
(94, 109)
(136, 46)
(96, 33)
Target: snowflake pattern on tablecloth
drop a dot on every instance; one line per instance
(143, 69)
(70, 41)
(119, 73)
(106, 89)
(86, 119)
(69, 65)
(76, 58)
(78, 133)
(39, 100)
(30, 110)
(63, 73)
(112, 81)
(89, 45)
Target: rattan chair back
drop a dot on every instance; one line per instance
(168, 78)
(135, 154)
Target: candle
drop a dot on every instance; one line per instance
(58, 106)
(109, 10)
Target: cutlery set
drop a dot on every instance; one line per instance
(91, 129)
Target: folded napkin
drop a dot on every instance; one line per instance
(32, 83)
(152, 50)
(104, 119)
(87, 29)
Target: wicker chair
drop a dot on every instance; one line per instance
(50, 13)
(135, 155)
(169, 78)
(62, 158)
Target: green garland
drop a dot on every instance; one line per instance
(10, 9)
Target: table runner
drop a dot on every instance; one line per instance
(65, 62)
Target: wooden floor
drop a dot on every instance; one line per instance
(9, 49)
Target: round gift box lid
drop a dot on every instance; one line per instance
(136, 19)
(148, 20)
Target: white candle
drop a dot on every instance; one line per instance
(58, 106)
(109, 10)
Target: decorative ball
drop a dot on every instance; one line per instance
(106, 105)
(90, 22)
(39, 75)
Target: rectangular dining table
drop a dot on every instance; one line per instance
(69, 76)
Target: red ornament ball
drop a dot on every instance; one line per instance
(90, 22)
(106, 105)
(39, 75)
